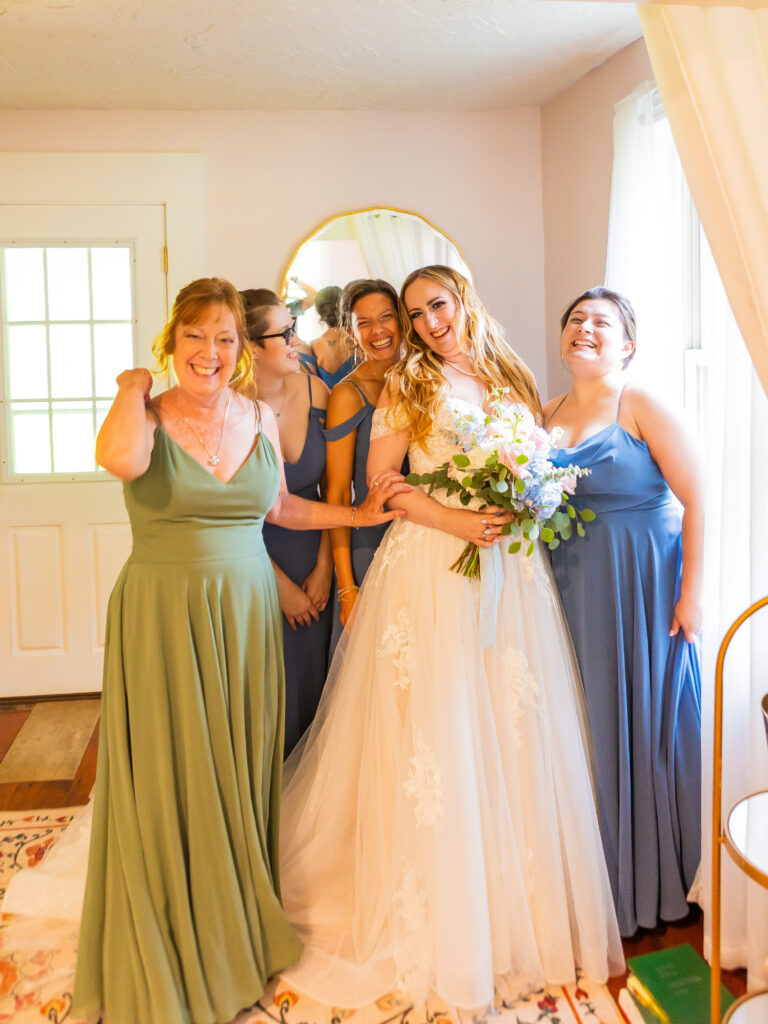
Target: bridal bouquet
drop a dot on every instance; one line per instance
(505, 462)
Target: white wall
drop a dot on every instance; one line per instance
(274, 177)
(576, 163)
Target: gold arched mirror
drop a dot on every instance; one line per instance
(382, 242)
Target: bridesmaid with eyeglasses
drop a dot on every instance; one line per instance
(302, 561)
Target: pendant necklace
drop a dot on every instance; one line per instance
(213, 457)
(467, 373)
(278, 411)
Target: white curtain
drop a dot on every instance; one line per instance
(690, 350)
(647, 235)
(394, 244)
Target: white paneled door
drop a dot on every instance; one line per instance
(64, 532)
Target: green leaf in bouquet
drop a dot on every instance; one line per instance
(521, 460)
(519, 485)
(587, 515)
(558, 521)
(553, 544)
(491, 460)
(529, 552)
(426, 478)
(506, 529)
(466, 482)
(515, 529)
(461, 460)
(514, 547)
(547, 535)
(500, 486)
(465, 498)
(566, 532)
(580, 530)
(571, 510)
(533, 531)
(413, 479)
(503, 472)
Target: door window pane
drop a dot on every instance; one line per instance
(111, 284)
(70, 360)
(24, 284)
(27, 362)
(73, 437)
(113, 353)
(30, 430)
(73, 327)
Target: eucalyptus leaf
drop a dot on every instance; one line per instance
(580, 530)
(465, 498)
(553, 544)
(571, 511)
(514, 547)
(519, 485)
(587, 515)
(461, 460)
(547, 535)
(413, 479)
(529, 552)
(521, 460)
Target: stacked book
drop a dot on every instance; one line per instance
(671, 986)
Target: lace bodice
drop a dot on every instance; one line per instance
(440, 445)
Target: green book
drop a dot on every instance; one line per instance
(679, 981)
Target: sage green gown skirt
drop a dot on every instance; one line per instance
(182, 920)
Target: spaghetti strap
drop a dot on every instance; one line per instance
(360, 392)
(618, 407)
(555, 410)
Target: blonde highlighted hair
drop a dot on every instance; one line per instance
(419, 373)
(189, 307)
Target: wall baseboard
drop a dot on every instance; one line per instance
(22, 703)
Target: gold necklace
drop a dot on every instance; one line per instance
(458, 369)
(213, 457)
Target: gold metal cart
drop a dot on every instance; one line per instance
(749, 851)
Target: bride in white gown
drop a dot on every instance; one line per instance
(438, 825)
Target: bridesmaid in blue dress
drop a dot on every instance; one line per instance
(368, 314)
(328, 357)
(302, 561)
(631, 591)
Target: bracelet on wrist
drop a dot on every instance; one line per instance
(347, 590)
(354, 509)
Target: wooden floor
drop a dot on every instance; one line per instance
(28, 796)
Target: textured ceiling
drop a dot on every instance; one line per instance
(301, 54)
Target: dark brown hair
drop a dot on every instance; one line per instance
(624, 308)
(257, 302)
(356, 290)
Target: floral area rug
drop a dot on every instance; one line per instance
(36, 984)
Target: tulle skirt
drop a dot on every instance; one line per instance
(438, 823)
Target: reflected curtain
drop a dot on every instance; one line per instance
(394, 244)
(710, 64)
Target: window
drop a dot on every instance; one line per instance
(68, 327)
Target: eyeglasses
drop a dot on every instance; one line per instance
(286, 335)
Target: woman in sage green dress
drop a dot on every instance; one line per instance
(182, 920)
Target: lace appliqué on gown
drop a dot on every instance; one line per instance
(535, 571)
(400, 536)
(397, 641)
(410, 951)
(424, 783)
(523, 687)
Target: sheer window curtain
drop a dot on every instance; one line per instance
(694, 354)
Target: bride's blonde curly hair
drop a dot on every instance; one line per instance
(419, 374)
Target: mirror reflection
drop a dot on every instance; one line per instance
(380, 243)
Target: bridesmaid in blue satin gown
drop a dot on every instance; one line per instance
(302, 560)
(631, 591)
(368, 315)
